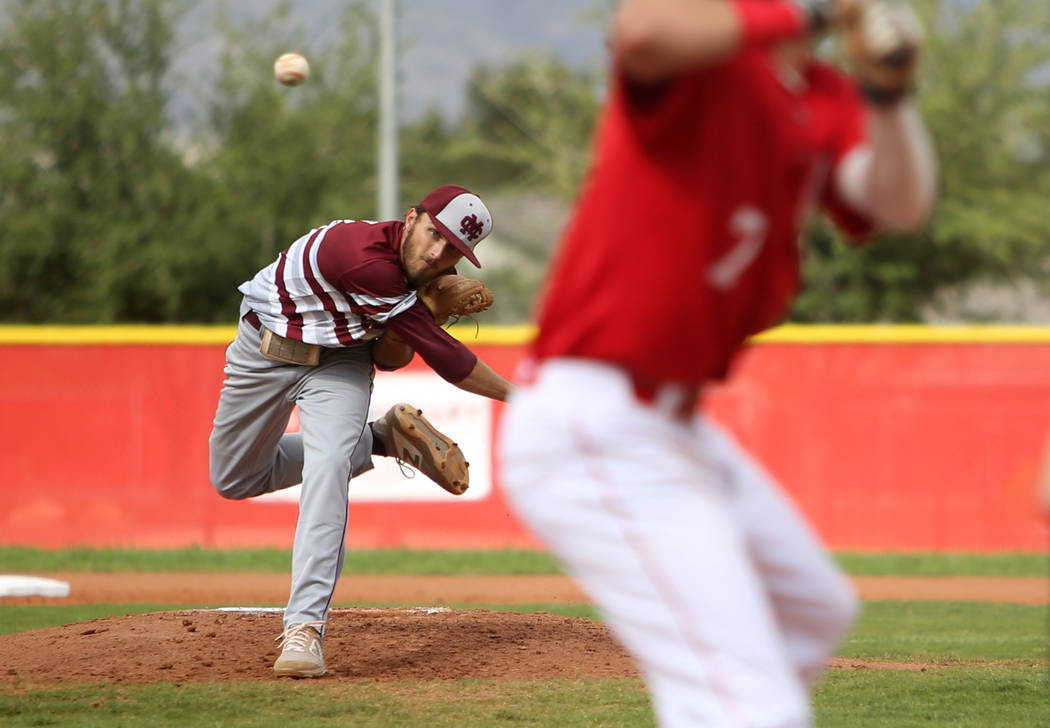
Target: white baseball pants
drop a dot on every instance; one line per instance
(696, 560)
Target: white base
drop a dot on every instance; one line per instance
(17, 585)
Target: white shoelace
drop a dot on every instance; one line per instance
(406, 469)
(296, 637)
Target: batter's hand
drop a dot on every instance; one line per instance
(883, 39)
(454, 295)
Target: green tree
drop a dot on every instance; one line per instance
(108, 212)
(528, 125)
(90, 189)
(279, 160)
(525, 138)
(984, 95)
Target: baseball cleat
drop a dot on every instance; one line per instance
(301, 654)
(408, 436)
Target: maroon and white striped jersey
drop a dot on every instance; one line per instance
(295, 296)
(342, 284)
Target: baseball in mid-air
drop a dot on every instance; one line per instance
(291, 69)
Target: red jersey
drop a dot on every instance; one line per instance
(342, 284)
(685, 239)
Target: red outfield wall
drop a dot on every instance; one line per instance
(904, 439)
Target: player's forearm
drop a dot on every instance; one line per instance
(894, 177)
(655, 39)
(904, 169)
(484, 381)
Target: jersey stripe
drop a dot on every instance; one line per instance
(311, 272)
(293, 298)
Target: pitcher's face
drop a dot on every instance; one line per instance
(425, 253)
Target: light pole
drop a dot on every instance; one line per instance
(388, 193)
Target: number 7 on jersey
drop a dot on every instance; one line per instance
(748, 226)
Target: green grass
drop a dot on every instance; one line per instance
(17, 559)
(465, 704)
(961, 697)
(927, 564)
(23, 618)
(984, 697)
(949, 632)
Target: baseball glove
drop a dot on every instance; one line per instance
(883, 39)
(452, 295)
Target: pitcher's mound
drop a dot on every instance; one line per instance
(361, 644)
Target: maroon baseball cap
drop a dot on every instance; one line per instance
(461, 217)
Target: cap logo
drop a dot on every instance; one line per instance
(461, 217)
(471, 227)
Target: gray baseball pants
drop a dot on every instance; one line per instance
(250, 453)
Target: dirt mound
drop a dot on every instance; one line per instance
(361, 644)
(436, 643)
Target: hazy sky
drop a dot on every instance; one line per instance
(440, 40)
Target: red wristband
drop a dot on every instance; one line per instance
(765, 21)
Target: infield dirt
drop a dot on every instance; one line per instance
(428, 642)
